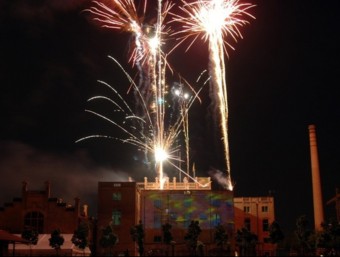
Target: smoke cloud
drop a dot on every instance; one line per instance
(70, 176)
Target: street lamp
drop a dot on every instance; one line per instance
(183, 100)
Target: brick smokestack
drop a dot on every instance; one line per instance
(316, 182)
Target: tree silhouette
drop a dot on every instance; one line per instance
(194, 230)
(108, 238)
(275, 233)
(56, 240)
(167, 236)
(220, 236)
(137, 234)
(246, 241)
(32, 235)
(304, 235)
(329, 237)
(80, 236)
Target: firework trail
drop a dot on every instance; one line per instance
(153, 134)
(214, 21)
(133, 134)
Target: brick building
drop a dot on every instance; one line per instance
(126, 203)
(256, 214)
(37, 209)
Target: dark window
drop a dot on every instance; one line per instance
(157, 203)
(35, 220)
(116, 217)
(157, 239)
(265, 208)
(117, 196)
(266, 240)
(203, 216)
(216, 219)
(216, 202)
(247, 223)
(246, 209)
(265, 225)
(187, 220)
(157, 219)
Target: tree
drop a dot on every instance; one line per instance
(31, 235)
(167, 236)
(304, 236)
(108, 238)
(137, 234)
(80, 236)
(275, 233)
(56, 240)
(220, 236)
(194, 230)
(329, 237)
(246, 241)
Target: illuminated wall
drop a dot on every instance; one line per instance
(180, 207)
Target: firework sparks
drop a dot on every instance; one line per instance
(215, 21)
(161, 147)
(148, 58)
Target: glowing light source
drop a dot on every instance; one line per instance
(160, 154)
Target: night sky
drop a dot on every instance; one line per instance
(281, 77)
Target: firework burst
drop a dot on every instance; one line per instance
(215, 21)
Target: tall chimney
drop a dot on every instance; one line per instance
(316, 182)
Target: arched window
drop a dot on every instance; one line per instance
(34, 220)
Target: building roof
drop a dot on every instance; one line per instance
(6, 236)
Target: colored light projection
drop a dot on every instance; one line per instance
(179, 208)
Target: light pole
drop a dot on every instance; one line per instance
(184, 99)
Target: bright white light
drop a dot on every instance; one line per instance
(160, 155)
(153, 44)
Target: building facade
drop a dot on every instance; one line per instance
(256, 214)
(125, 204)
(38, 210)
(118, 205)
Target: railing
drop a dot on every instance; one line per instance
(200, 183)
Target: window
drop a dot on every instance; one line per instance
(116, 217)
(187, 220)
(157, 239)
(246, 209)
(265, 225)
(216, 202)
(117, 196)
(203, 216)
(34, 220)
(157, 203)
(216, 219)
(267, 241)
(157, 219)
(247, 223)
(265, 208)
